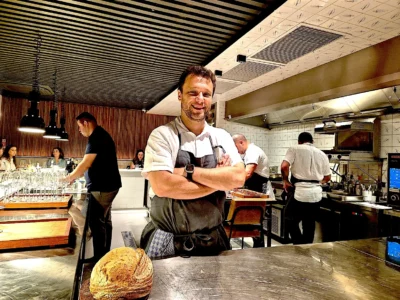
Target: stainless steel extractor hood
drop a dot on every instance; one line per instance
(362, 105)
(356, 139)
(331, 126)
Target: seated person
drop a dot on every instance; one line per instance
(57, 159)
(8, 162)
(138, 161)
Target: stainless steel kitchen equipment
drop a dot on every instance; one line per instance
(393, 198)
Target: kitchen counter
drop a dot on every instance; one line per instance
(338, 270)
(393, 213)
(361, 204)
(45, 272)
(278, 185)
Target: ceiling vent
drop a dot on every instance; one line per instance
(297, 43)
(247, 71)
(224, 86)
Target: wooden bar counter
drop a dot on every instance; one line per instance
(41, 272)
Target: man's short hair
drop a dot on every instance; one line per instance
(85, 116)
(239, 137)
(305, 137)
(197, 71)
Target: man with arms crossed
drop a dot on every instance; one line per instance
(189, 165)
(103, 180)
(310, 168)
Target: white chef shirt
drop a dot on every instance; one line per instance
(163, 145)
(308, 163)
(255, 155)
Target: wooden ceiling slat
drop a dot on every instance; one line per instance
(111, 55)
(83, 65)
(28, 37)
(70, 72)
(144, 78)
(132, 65)
(226, 8)
(56, 23)
(84, 14)
(160, 4)
(239, 5)
(120, 54)
(256, 3)
(91, 39)
(155, 17)
(50, 60)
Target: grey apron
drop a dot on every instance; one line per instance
(194, 225)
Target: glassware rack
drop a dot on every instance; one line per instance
(43, 185)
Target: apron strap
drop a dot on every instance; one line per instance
(294, 180)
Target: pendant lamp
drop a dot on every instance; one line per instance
(62, 132)
(32, 122)
(52, 132)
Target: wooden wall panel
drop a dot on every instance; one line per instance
(130, 129)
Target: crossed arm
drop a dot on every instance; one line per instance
(205, 181)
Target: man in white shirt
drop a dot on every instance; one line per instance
(309, 169)
(189, 165)
(257, 169)
(256, 162)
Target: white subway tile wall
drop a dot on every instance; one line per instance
(256, 135)
(390, 139)
(275, 142)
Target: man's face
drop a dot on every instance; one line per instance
(196, 97)
(240, 146)
(83, 128)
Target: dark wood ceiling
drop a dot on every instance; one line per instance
(119, 53)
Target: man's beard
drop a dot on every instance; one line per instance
(190, 115)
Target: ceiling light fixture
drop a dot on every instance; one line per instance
(241, 58)
(62, 132)
(52, 132)
(33, 122)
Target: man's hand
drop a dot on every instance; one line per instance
(286, 185)
(225, 161)
(67, 179)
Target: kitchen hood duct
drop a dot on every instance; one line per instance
(360, 139)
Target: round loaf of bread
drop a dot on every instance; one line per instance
(123, 273)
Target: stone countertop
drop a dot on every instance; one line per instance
(42, 273)
(338, 270)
